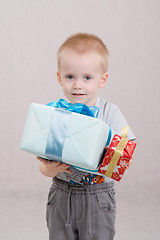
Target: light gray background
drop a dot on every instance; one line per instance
(30, 33)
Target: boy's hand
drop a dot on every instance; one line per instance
(52, 168)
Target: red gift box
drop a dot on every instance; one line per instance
(117, 157)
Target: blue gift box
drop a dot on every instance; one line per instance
(65, 136)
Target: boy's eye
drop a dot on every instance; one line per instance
(70, 76)
(87, 77)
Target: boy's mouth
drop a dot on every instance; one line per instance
(78, 94)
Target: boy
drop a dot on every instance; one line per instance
(81, 206)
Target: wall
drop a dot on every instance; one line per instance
(31, 32)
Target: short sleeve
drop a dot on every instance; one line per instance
(112, 115)
(117, 121)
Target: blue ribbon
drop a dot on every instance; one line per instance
(77, 107)
(56, 137)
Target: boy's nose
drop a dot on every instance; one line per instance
(77, 84)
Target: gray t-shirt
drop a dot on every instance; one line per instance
(111, 115)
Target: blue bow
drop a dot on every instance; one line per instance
(77, 107)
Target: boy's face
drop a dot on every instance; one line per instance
(80, 76)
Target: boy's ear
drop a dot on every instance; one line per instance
(59, 78)
(103, 80)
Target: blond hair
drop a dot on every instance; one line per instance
(85, 42)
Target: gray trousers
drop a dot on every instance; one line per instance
(81, 212)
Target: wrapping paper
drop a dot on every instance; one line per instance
(114, 166)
